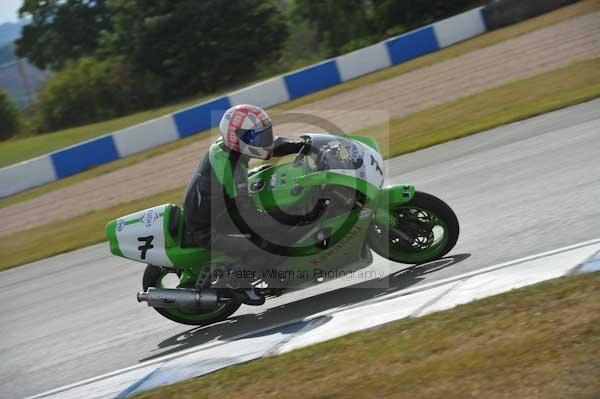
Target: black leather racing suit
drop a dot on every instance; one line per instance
(212, 217)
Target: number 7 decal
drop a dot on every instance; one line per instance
(147, 245)
(374, 162)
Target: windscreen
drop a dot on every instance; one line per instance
(335, 152)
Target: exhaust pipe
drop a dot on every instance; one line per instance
(179, 298)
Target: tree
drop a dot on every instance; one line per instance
(411, 14)
(193, 45)
(336, 22)
(61, 30)
(9, 117)
(89, 90)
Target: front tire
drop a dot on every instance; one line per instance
(153, 277)
(424, 229)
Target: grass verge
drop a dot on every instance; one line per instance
(511, 102)
(514, 101)
(537, 342)
(67, 235)
(20, 149)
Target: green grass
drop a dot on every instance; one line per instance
(511, 102)
(515, 101)
(67, 235)
(540, 342)
(20, 149)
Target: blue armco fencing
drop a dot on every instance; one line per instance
(312, 79)
(107, 148)
(412, 45)
(83, 156)
(200, 117)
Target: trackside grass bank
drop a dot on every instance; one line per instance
(67, 235)
(23, 148)
(537, 342)
(514, 101)
(576, 83)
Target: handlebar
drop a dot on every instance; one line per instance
(304, 151)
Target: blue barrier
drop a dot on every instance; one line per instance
(200, 117)
(83, 156)
(312, 79)
(412, 45)
(274, 91)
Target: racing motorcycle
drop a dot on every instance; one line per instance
(338, 183)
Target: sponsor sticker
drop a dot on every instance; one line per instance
(149, 218)
(354, 152)
(120, 224)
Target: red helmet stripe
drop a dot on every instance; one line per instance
(236, 121)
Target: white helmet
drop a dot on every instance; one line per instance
(247, 129)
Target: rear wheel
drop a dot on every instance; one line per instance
(158, 277)
(420, 231)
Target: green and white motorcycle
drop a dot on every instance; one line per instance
(338, 183)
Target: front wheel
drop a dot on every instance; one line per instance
(420, 231)
(158, 277)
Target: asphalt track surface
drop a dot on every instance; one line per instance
(518, 190)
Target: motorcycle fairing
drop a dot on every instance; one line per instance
(128, 237)
(140, 236)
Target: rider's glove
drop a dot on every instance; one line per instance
(283, 146)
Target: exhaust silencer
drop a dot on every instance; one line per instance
(179, 298)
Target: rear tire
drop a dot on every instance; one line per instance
(423, 210)
(153, 276)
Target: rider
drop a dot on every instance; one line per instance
(217, 204)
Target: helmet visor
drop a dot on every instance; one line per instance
(256, 138)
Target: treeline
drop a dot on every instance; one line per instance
(113, 57)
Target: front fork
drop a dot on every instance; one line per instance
(389, 198)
